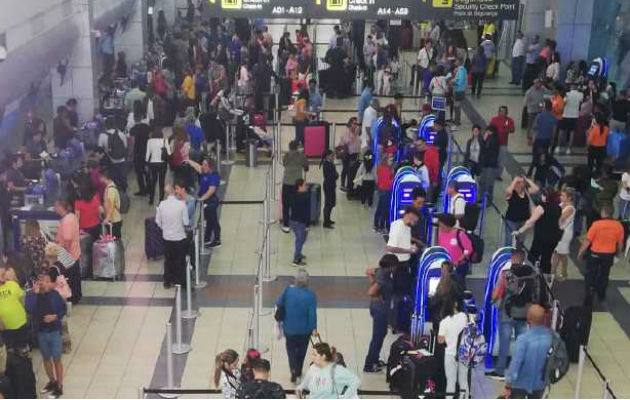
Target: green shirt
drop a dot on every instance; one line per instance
(294, 163)
(12, 312)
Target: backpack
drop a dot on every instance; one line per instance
(521, 291)
(557, 362)
(471, 345)
(477, 243)
(115, 146)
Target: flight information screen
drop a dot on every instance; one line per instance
(258, 8)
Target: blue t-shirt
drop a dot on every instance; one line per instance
(208, 180)
(364, 102)
(544, 125)
(196, 136)
(461, 80)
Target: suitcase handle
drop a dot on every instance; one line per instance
(111, 228)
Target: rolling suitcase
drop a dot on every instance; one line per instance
(108, 256)
(285, 92)
(576, 328)
(315, 201)
(316, 139)
(153, 240)
(19, 371)
(85, 262)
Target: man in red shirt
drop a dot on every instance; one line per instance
(431, 158)
(505, 126)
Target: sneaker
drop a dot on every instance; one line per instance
(285, 229)
(557, 151)
(381, 363)
(55, 393)
(376, 230)
(328, 226)
(495, 375)
(50, 386)
(215, 244)
(568, 152)
(373, 369)
(299, 263)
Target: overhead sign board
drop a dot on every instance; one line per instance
(415, 10)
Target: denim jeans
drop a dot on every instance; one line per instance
(511, 226)
(486, 181)
(379, 314)
(299, 229)
(517, 68)
(624, 208)
(505, 337)
(210, 213)
(381, 216)
(297, 345)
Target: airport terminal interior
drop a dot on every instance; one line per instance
(201, 197)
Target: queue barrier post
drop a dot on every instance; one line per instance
(228, 131)
(333, 134)
(580, 371)
(179, 347)
(199, 283)
(189, 313)
(605, 390)
(555, 312)
(169, 364)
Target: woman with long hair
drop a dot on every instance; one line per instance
(87, 209)
(227, 375)
(366, 178)
(545, 220)
(561, 253)
(330, 183)
(33, 244)
(327, 379)
(597, 139)
(158, 153)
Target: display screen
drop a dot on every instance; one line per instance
(468, 190)
(414, 10)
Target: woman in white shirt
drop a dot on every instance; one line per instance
(561, 253)
(624, 196)
(553, 70)
(158, 151)
(450, 328)
(227, 376)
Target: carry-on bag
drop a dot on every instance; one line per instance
(108, 256)
(315, 201)
(153, 239)
(85, 261)
(316, 139)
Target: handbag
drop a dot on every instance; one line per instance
(164, 154)
(279, 312)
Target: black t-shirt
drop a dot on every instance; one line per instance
(620, 110)
(16, 177)
(518, 208)
(141, 134)
(259, 389)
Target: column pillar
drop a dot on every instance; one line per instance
(573, 26)
(132, 41)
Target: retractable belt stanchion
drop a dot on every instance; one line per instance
(333, 133)
(179, 347)
(580, 372)
(218, 160)
(202, 231)
(228, 131)
(555, 311)
(199, 283)
(169, 364)
(189, 313)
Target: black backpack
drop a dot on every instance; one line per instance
(523, 289)
(115, 146)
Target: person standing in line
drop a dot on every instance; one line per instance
(172, 217)
(366, 179)
(597, 140)
(48, 308)
(518, 59)
(352, 143)
(472, 158)
(517, 195)
(370, 117)
(364, 100)
(531, 62)
(526, 377)
(399, 242)
(209, 181)
(448, 333)
(568, 125)
(604, 240)
(489, 161)
(68, 237)
(478, 68)
(561, 253)
(140, 132)
(295, 164)
(300, 220)
(299, 305)
(158, 151)
(426, 55)
(227, 375)
(380, 291)
(261, 387)
(505, 126)
(460, 84)
(384, 182)
(535, 103)
(113, 143)
(327, 379)
(624, 196)
(111, 204)
(13, 318)
(191, 204)
(544, 126)
(330, 184)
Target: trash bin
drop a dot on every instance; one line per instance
(252, 153)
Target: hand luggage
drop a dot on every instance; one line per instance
(415, 374)
(85, 262)
(260, 121)
(153, 240)
(576, 328)
(19, 371)
(315, 201)
(316, 139)
(285, 92)
(108, 256)
(618, 145)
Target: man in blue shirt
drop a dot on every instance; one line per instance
(364, 100)
(544, 126)
(314, 98)
(209, 182)
(460, 84)
(525, 379)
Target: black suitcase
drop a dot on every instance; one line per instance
(285, 92)
(415, 374)
(353, 191)
(396, 352)
(21, 377)
(153, 240)
(315, 201)
(576, 329)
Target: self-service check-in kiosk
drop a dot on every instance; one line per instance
(501, 259)
(466, 186)
(429, 273)
(425, 129)
(405, 181)
(396, 136)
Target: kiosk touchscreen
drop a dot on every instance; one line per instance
(396, 135)
(425, 129)
(429, 274)
(501, 259)
(405, 181)
(466, 186)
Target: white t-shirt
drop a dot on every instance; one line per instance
(518, 50)
(572, 104)
(450, 327)
(457, 205)
(625, 193)
(370, 117)
(400, 236)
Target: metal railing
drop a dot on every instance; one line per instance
(607, 392)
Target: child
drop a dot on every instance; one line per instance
(227, 376)
(61, 286)
(47, 306)
(247, 370)
(366, 178)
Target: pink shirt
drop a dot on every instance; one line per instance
(454, 247)
(68, 235)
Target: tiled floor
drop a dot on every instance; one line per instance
(118, 332)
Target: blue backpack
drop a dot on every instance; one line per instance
(471, 344)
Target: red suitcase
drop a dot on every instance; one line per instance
(315, 140)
